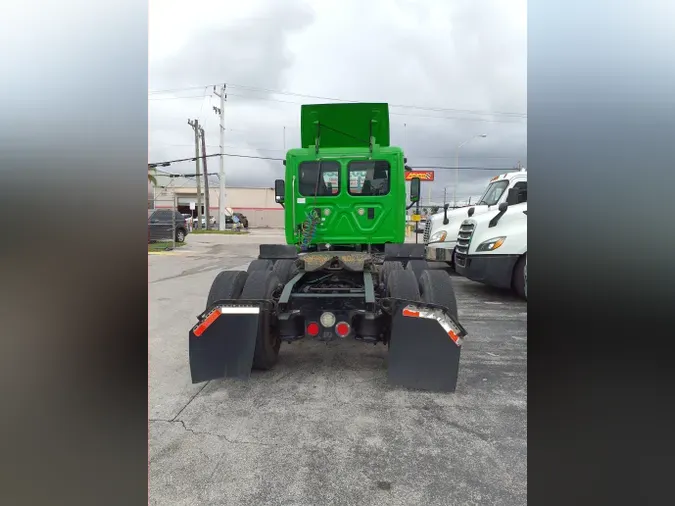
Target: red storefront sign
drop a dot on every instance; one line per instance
(423, 175)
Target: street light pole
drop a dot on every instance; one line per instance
(454, 191)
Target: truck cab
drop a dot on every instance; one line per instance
(441, 230)
(346, 186)
(492, 248)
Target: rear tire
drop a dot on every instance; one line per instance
(417, 266)
(519, 281)
(227, 285)
(387, 268)
(261, 284)
(260, 265)
(285, 270)
(180, 235)
(403, 285)
(436, 288)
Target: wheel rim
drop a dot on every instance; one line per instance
(180, 237)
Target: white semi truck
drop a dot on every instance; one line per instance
(492, 248)
(440, 232)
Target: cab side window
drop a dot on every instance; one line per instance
(521, 189)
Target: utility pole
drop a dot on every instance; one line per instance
(173, 221)
(445, 195)
(195, 126)
(206, 180)
(220, 111)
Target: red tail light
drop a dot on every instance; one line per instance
(342, 329)
(313, 329)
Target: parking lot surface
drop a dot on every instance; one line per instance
(324, 427)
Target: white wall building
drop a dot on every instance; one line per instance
(257, 204)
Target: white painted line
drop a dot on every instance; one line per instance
(239, 310)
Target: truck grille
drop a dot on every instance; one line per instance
(463, 242)
(427, 231)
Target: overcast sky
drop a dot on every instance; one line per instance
(466, 57)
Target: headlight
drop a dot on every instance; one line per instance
(438, 236)
(491, 244)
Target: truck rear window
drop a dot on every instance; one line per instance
(369, 177)
(319, 178)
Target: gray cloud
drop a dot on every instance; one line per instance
(462, 55)
(252, 51)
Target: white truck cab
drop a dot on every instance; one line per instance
(440, 233)
(492, 248)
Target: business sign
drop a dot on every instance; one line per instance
(423, 175)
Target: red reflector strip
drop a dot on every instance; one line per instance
(201, 328)
(411, 313)
(453, 336)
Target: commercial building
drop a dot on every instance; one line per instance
(256, 203)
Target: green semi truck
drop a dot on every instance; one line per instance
(345, 271)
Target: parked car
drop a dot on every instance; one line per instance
(165, 224)
(212, 222)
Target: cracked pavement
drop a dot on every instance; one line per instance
(324, 427)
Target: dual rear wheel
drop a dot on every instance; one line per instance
(254, 285)
(432, 286)
(264, 278)
(285, 269)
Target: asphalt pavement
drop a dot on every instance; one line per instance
(324, 427)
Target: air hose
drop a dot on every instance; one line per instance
(309, 229)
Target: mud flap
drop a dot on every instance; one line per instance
(425, 347)
(223, 342)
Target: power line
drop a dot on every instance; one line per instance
(254, 148)
(436, 167)
(403, 106)
(304, 95)
(230, 146)
(478, 157)
(514, 119)
(176, 98)
(169, 162)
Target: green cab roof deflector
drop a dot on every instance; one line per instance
(344, 125)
